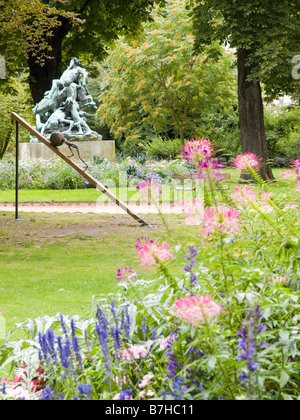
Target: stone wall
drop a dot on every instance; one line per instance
(88, 149)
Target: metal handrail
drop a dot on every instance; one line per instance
(74, 165)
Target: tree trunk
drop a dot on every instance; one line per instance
(251, 114)
(41, 77)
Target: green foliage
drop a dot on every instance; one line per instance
(283, 134)
(27, 29)
(58, 175)
(155, 85)
(239, 342)
(269, 30)
(223, 131)
(163, 148)
(14, 97)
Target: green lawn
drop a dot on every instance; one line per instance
(57, 263)
(93, 195)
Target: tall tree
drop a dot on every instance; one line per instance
(265, 34)
(38, 34)
(159, 79)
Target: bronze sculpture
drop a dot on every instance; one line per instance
(57, 139)
(61, 109)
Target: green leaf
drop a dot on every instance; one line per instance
(211, 363)
(284, 378)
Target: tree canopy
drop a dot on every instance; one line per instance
(155, 85)
(269, 29)
(265, 35)
(35, 33)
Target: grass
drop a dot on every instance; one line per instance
(57, 263)
(93, 195)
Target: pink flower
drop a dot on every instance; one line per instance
(149, 188)
(134, 352)
(126, 275)
(243, 195)
(196, 150)
(245, 161)
(143, 185)
(298, 186)
(209, 169)
(265, 196)
(296, 165)
(153, 253)
(127, 396)
(146, 380)
(197, 309)
(193, 210)
(17, 393)
(224, 220)
(289, 175)
(167, 341)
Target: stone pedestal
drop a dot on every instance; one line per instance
(88, 150)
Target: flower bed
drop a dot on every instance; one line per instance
(227, 327)
(58, 175)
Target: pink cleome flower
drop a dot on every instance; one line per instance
(246, 160)
(265, 196)
(197, 309)
(149, 188)
(148, 185)
(197, 150)
(289, 175)
(224, 220)
(126, 275)
(296, 165)
(193, 210)
(298, 186)
(134, 352)
(243, 195)
(209, 169)
(153, 253)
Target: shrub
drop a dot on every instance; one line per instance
(163, 149)
(283, 133)
(14, 97)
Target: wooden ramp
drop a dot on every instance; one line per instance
(80, 170)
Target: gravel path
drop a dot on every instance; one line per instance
(99, 208)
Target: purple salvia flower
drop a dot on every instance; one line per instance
(115, 333)
(126, 394)
(84, 392)
(75, 344)
(64, 354)
(102, 335)
(67, 346)
(127, 324)
(49, 395)
(190, 257)
(154, 336)
(47, 346)
(144, 328)
(172, 364)
(178, 389)
(249, 340)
